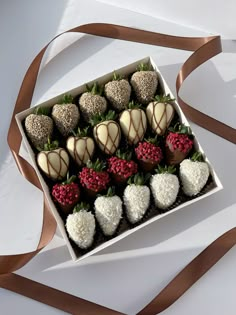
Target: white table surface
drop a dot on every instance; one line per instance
(127, 275)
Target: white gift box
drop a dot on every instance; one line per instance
(125, 71)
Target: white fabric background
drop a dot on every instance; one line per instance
(127, 275)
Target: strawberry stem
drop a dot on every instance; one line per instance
(42, 111)
(197, 157)
(165, 169)
(139, 179)
(69, 179)
(81, 206)
(124, 155)
(133, 105)
(98, 118)
(116, 76)
(95, 89)
(144, 67)
(163, 98)
(66, 99)
(181, 128)
(97, 166)
(49, 146)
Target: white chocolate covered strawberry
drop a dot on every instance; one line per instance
(164, 187)
(133, 123)
(194, 174)
(137, 197)
(80, 146)
(106, 132)
(160, 113)
(53, 161)
(81, 226)
(108, 211)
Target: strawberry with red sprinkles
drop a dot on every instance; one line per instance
(121, 166)
(93, 177)
(149, 154)
(66, 194)
(179, 143)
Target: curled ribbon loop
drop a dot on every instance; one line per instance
(204, 48)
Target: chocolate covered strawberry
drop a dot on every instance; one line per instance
(164, 186)
(179, 143)
(118, 92)
(108, 211)
(65, 115)
(39, 127)
(194, 174)
(121, 166)
(106, 132)
(92, 102)
(137, 197)
(93, 177)
(133, 123)
(53, 161)
(81, 226)
(66, 194)
(159, 113)
(144, 82)
(80, 146)
(149, 154)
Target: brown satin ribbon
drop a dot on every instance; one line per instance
(204, 48)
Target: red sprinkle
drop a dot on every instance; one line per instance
(148, 151)
(179, 141)
(122, 167)
(66, 194)
(93, 180)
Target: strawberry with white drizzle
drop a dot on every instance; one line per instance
(194, 173)
(164, 186)
(53, 161)
(159, 113)
(137, 197)
(133, 122)
(108, 211)
(106, 132)
(80, 146)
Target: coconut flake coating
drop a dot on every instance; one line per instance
(118, 93)
(66, 117)
(194, 176)
(136, 199)
(144, 84)
(165, 188)
(39, 128)
(91, 105)
(108, 212)
(81, 228)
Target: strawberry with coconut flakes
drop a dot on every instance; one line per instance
(81, 226)
(179, 142)
(66, 194)
(93, 177)
(137, 197)
(194, 174)
(121, 167)
(164, 186)
(53, 161)
(149, 154)
(108, 211)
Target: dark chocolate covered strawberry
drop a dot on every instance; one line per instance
(149, 154)
(94, 178)
(66, 194)
(121, 166)
(179, 143)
